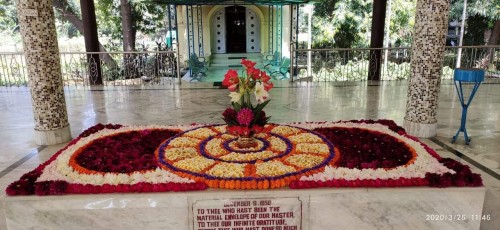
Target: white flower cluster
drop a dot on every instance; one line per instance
(201, 133)
(318, 148)
(273, 168)
(305, 160)
(194, 164)
(248, 156)
(305, 138)
(184, 142)
(227, 136)
(277, 144)
(221, 128)
(261, 135)
(180, 153)
(285, 130)
(224, 169)
(214, 147)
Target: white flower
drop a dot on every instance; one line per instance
(235, 97)
(260, 93)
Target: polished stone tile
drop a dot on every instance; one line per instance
(203, 103)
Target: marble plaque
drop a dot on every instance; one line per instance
(247, 214)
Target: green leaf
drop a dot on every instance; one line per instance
(236, 106)
(262, 105)
(257, 111)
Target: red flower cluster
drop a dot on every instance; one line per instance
(125, 152)
(400, 182)
(25, 185)
(462, 177)
(231, 80)
(230, 115)
(389, 123)
(139, 187)
(367, 149)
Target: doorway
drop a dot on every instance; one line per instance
(235, 29)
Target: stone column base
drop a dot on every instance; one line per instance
(420, 129)
(53, 137)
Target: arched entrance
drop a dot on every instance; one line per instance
(236, 29)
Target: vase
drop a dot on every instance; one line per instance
(246, 142)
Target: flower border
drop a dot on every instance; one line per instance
(457, 174)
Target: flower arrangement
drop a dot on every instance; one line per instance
(366, 153)
(243, 118)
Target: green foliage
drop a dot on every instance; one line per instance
(357, 70)
(347, 24)
(147, 18)
(476, 25)
(8, 17)
(481, 16)
(402, 22)
(487, 8)
(341, 24)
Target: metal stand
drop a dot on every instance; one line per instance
(475, 76)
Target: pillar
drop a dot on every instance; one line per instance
(431, 26)
(377, 38)
(38, 31)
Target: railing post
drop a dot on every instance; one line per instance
(178, 63)
(291, 61)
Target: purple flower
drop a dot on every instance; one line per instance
(245, 116)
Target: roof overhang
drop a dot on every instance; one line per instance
(225, 2)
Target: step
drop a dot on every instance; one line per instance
(237, 55)
(231, 61)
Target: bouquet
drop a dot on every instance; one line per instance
(243, 118)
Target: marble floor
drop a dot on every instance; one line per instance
(303, 101)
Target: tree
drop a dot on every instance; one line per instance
(402, 22)
(68, 11)
(121, 20)
(8, 17)
(128, 26)
(342, 24)
(482, 15)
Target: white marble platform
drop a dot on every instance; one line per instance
(349, 208)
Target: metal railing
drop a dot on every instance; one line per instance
(161, 67)
(353, 64)
(117, 68)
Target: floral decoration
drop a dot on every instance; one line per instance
(364, 153)
(243, 118)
